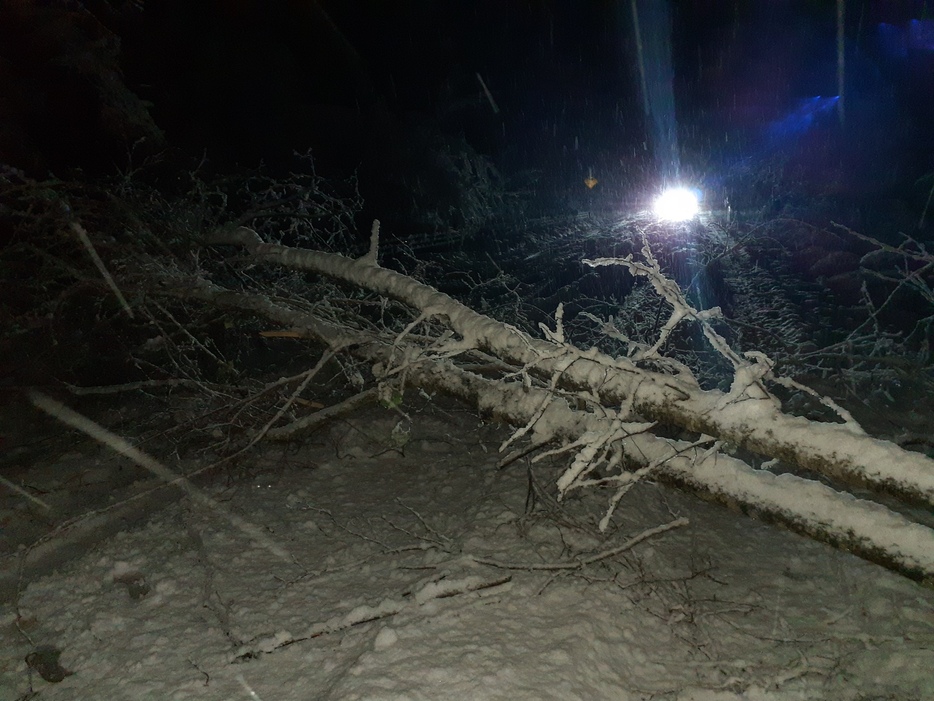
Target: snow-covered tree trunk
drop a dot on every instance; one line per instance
(620, 397)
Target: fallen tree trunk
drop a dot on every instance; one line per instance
(754, 423)
(864, 528)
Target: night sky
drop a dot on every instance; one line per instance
(245, 81)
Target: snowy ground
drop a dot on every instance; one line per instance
(384, 599)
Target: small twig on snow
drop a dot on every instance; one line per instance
(583, 562)
(431, 591)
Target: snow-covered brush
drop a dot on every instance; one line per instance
(603, 450)
(540, 384)
(749, 370)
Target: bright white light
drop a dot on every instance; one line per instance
(677, 204)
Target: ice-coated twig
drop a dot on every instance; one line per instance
(556, 336)
(847, 417)
(747, 380)
(628, 479)
(591, 450)
(371, 257)
(533, 422)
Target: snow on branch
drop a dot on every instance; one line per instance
(746, 417)
(864, 528)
